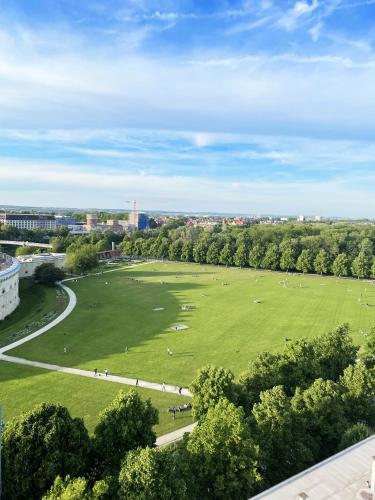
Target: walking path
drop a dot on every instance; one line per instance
(174, 436)
(170, 389)
(71, 305)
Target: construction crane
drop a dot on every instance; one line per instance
(135, 210)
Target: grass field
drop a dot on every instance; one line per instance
(226, 326)
(38, 306)
(22, 387)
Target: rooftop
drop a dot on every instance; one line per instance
(340, 477)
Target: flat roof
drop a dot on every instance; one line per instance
(27, 217)
(339, 477)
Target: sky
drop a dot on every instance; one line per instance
(240, 106)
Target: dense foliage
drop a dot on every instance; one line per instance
(339, 249)
(48, 274)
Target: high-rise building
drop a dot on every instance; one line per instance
(138, 220)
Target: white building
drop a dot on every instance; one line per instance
(9, 276)
(30, 262)
(29, 221)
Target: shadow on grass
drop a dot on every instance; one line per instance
(114, 319)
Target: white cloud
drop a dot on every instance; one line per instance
(52, 182)
(300, 9)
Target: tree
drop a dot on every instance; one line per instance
(81, 259)
(340, 266)
(25, 250)
(226, 255)
(361, 265)
(199, 252)
(69, 489)
(127, 248)
(78, 489)
(162, 247)
(187, 252)
(222, 455)
(369, 350)
(48, 274)
(321, 262)
(321, 405)
(255, 256)
(40, 445)
(358, 432)
(151, 474)
(304, 261)
(288, 255)
(124, 425)
(175, 250)
(334, 351)
(210, 385)
(213, 254)
(272, 257)
(358, 383)
(280, 435)
(240, 256)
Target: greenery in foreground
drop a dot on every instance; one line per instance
(285, 413)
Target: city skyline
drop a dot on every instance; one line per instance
(234, 107)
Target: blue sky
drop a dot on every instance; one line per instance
(254, 106)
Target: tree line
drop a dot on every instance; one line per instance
(286, 412)
(340, 249)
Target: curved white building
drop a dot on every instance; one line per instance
(9, 276)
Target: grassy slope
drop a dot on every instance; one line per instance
(36, 301)
(226, 328)
(22, 387)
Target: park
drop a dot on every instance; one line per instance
(163, 321)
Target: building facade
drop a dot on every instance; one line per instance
(30, 262)
(29, 221)
(9, 277)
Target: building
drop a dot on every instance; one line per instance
(301, 218)
(9, 276)
(28, 263)
(29, 221)
(65, 220)
(348, 475)
(138, 220)
(91, 222)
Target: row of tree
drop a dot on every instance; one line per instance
(343, 250)
(285, 413)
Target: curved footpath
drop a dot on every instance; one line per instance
(71, 305)
(162, 440)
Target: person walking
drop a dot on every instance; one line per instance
(65, 350)
(180, 391)
(95, 372)
(163, 387)
(137, 383)
(106, 372)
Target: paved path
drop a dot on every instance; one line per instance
(170, 438)
(71, 305)
(174, 436)
(171, 389)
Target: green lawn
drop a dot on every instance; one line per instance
(226, 326)
(39, 305)
(22, 387)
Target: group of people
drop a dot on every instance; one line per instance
(97, 373)
(177, 409)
